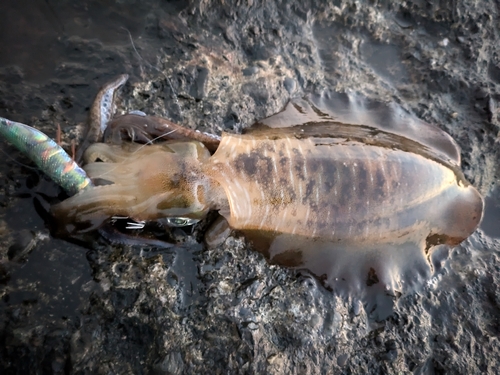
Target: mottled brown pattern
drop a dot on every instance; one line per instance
(347, 203)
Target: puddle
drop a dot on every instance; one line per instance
(52, 278)
(46, 26)
(385, 60)
(491, 219)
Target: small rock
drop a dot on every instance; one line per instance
(250, 71)
(290, 85)
(342, 359)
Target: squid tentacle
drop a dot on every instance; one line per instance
(47, 155)
(101, 112)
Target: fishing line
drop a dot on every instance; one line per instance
(18, 162)
(176, 100)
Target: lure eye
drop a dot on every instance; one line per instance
(180, 221)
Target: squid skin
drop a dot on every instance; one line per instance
(47, 155)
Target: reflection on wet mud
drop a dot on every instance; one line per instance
(46, 27)
(491, 221)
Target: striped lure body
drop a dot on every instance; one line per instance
(47, 155)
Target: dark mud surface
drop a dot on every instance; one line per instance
(221, 65)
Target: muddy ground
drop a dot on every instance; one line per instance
(219, 66)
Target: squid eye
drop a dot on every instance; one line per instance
(180, 221)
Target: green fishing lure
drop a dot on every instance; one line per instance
(46, 154)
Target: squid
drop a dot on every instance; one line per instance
(355, 191)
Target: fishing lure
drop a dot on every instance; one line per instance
(47, 155)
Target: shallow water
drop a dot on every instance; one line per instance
(67, 308)
(491, 220)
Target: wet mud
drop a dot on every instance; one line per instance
(71, 307)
